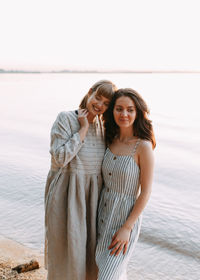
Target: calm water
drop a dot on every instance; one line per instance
(169, 244)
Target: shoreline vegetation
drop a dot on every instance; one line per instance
(15, 71)
(12, 254)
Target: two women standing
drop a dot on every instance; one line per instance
(74, 183)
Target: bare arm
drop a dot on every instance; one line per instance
(146, 162)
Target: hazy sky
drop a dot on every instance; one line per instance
(105, 34)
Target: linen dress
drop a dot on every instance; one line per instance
(71, 196)
(121, 177)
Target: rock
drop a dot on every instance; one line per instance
(33, 264)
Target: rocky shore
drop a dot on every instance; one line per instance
(13, 254)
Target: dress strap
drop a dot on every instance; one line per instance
(136, 145)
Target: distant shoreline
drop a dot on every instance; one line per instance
(2, 71)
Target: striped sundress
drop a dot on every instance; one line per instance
(121, 177)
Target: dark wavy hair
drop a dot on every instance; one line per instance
(142, 126)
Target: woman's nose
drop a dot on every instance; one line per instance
(100, 103)
(124, 113)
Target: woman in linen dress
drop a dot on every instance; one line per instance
(73, 185)
(127, 173)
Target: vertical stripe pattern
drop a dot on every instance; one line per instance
(121, 186)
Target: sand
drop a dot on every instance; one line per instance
(13, 254)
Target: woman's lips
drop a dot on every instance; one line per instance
(96, 109)
(123, 120)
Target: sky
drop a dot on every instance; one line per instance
(104, 34)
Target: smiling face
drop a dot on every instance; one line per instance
(124, 112)
(97, 104)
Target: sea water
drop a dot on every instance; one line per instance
(169, 243)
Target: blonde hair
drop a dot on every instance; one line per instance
(103, 88)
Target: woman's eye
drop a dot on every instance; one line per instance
(98, 97)
(106, 104)
(118, 110)
(130, 110)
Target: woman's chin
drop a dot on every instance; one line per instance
(94, 113)
(124, 125)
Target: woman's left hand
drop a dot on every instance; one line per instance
(120, 241)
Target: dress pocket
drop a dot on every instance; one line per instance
(52, 189)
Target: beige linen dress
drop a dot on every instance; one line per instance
(71, 196)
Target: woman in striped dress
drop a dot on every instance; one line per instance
(127, 173)
(73, 185)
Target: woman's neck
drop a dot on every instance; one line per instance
(126, 134)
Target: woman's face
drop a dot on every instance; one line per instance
(97, 104)
(124, 112)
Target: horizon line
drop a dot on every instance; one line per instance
(68, 71)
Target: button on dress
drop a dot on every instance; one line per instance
(71, 196)
(121, 177)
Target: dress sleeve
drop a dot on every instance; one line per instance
(64, 144)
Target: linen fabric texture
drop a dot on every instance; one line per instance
(71, 196)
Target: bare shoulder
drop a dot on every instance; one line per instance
(145, 147)
(145, 144)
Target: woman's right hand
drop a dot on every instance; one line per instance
(120, 241)
(84, 124)
(82, 117)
